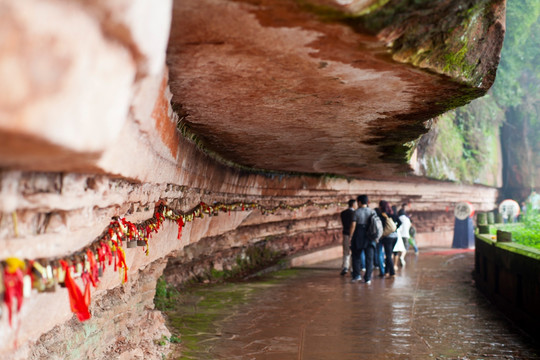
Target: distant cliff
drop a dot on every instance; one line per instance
(496, 139)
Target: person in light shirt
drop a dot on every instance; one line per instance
(405, 228)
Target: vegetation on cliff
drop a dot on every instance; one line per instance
(464, 144)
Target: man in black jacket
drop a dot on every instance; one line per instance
(346, 220)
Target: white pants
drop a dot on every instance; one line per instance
(346, 251)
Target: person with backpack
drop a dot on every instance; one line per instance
(363, 239)
(390, 222)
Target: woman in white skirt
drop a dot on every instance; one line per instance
(399, 249)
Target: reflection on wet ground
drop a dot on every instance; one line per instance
(430, 310)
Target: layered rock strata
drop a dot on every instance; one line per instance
(58, 214)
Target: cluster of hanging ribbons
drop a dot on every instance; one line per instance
(18, 277)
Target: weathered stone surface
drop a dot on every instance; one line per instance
(461, 39)
(521, 154)
(71, 78)
(88, 202)
(130, 335)
(55, 92)
(329, 97)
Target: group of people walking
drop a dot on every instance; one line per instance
(375, 238)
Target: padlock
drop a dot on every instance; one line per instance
(27, 286)
(50, 284)
(59, 274)
(39, 275)
(77, 267)
(86, 267)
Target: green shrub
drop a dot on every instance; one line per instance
(527, 232)
(166, 295)
(175, 339)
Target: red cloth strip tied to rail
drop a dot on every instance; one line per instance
(180, 222)
(94, 272)
(106, 252)
(122, 263)
(77, 300)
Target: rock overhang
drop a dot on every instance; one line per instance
(326, 86)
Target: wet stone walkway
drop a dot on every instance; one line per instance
(430, 310)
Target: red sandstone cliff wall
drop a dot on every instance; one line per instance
(60, 213)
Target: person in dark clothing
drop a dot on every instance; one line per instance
(360, 242)
(346, 220)
(388, 241)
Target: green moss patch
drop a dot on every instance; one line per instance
(195, 315)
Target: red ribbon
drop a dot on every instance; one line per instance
(78, 302)
(106, 252)
(94, 272)
(87, 279)
(148, 231)
(101, 256)
(114, 249)
(13, 284)
(122, 262)
(180, 222)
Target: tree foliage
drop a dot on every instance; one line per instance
(518, 71)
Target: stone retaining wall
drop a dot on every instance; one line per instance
(509, 275)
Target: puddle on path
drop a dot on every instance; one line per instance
(430, 310)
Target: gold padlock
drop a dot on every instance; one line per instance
(59, 274)
(39, 276)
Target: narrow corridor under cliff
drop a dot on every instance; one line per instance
(430, 310)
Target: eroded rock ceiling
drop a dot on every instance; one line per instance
(335, 87)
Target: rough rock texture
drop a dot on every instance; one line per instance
(521, 169)
(331, 97)
(130, 336)
(87, 132)
(60, 213)
(455, 38)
